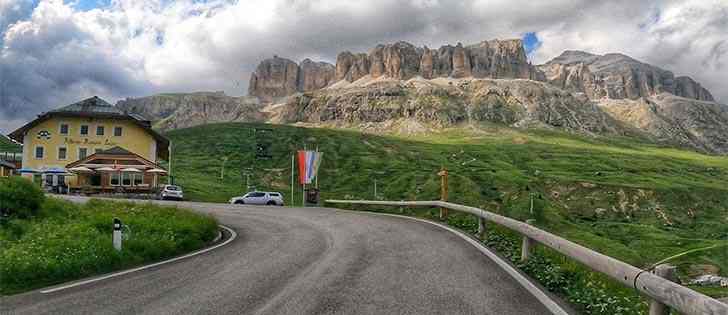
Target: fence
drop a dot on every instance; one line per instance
(663, 292)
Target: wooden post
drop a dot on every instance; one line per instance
(443, 191)
(527, 246)
(668, 272)
(481, 228)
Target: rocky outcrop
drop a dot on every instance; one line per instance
(403, 61)
(315, 75)
(616, 76)
(351, 67)
(675, 120)
(181, 110)
(278, 77)
(442, 103)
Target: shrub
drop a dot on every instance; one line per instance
(19, 197)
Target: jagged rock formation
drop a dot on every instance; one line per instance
(403, 88)
(402, 60)
(440, 103)
(278, 77)
(616, 76)
(182, 110)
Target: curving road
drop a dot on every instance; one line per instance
(305, 261)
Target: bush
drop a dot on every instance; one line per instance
(19, 197)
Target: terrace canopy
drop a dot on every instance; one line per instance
(113, 170)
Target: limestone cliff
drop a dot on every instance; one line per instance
(616, 76)
(181, 110)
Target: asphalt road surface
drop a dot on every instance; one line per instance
(305, 261)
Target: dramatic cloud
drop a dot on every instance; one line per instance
(53, 53)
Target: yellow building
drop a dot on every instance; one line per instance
(81, 130)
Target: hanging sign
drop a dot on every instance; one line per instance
(308, 166)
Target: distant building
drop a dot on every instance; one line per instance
(6, 169)
(88, 145)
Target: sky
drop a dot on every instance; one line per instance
(55, 52)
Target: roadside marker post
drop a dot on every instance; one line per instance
(117, 234)
(443, 191)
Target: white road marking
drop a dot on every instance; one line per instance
(233, 235)
(549, 303)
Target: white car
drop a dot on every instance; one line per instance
(171, 192)
(259, 198)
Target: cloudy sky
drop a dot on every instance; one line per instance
(55, 52)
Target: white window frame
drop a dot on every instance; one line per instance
(131, 179)
(113, 132)
(35, 152)
(58, 153)
(68, 131)
(88, 130)
(111, 178)
(78, 153)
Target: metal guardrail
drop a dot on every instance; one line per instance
(662, 291)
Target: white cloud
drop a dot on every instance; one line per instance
(52, 54)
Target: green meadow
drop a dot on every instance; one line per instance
(634, 200)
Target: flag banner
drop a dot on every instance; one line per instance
(308, 166)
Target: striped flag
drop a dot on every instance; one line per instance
(308, 166)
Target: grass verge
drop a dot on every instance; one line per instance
(67, 241)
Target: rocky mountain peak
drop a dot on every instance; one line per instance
(617, 76)
(278, 77)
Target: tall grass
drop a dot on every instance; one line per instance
(67, 241)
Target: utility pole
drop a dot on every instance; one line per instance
(293, 168)
(169, 175)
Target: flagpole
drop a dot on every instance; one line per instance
(293, 167)
(316, 171)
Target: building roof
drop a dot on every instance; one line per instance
(95, 107)
(113, 152)
(7, 164)
(90, 105)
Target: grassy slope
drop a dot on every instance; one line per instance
(6, 145)
(627, 199)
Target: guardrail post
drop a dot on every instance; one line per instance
(481, 228)
(668, 272)
(527, 245)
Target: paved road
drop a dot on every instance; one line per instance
(305, 261)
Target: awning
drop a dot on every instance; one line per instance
(131, 170)
(157, 171)
(106, 169)
(28, 171)
(80, 169)
(53, 170)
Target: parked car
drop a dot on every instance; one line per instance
(259, 198)
(171, 192)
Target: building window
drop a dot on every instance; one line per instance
(39, 152)
(138, 179)
(115, 179)
(84, 130)
(99, 130)
(126, 179)
(82, 153)
(117, 131)
(62, 153)
(63, 129)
